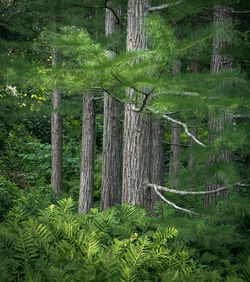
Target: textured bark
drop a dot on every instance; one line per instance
(137, 126)
(112, 134)
(158, 157)
(87, 154)
(56, 136)
(191, 162)
(175, 150)
(195, 68)
(216, 125)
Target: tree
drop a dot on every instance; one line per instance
(112, 131)
(158, 157)
(87, 154)
(137, 126)
(56, 135)
(175, 149)
(219, 62)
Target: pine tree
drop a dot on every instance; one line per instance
(219, 62)
(175, 149)
(112, 131)
(137, 126)
(56, 135)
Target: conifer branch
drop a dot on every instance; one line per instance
(186, 129)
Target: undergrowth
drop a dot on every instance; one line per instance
(124, 243)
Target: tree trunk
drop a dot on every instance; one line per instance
(158, 158)
(112, 134)
(175, 149)
(217, 124)
(56, 136)
(87, 154)
(137, 126)
(195, 68)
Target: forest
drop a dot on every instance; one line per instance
(124, 140)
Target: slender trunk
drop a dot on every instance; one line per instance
(195, 68)
(158, 157)
(87, 154)
(112, 135)
(137, 126)
(217, 124)
(175, 150)
(56, 136)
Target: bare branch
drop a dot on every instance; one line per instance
(162, 7)
(186, 129)
(240, 12)
(173, 204)
(165, 189)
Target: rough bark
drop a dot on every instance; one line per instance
(56, 136)
(191, 161)
(175, 150)
(219, 62)
(195, 68)
(137, 126)
(158, 157)
(112, 134)
(87, 154)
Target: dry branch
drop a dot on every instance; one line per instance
(172, 204)
(186, 129)
(173, 191)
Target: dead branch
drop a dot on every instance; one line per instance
(173, 204)
(162, 7)
(173, 191)
(186, 129)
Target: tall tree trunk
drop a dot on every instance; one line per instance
(195, 68)
(222, 14)
(87, 154)
(137, 126)
(112, 133)
(56, 136)
(175, 149)
(158, 158)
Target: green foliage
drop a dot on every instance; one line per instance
(109, 246)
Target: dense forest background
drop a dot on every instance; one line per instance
(124, 140)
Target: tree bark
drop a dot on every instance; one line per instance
(112, 134)
(219, 62)
(158, 157)
(87, 154)
(137, 126)
(56, 136)
(195, 68)
(175, 150)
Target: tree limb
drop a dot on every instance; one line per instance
(173, 204)
(166, 6)
(186, 129)
(165, 189)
